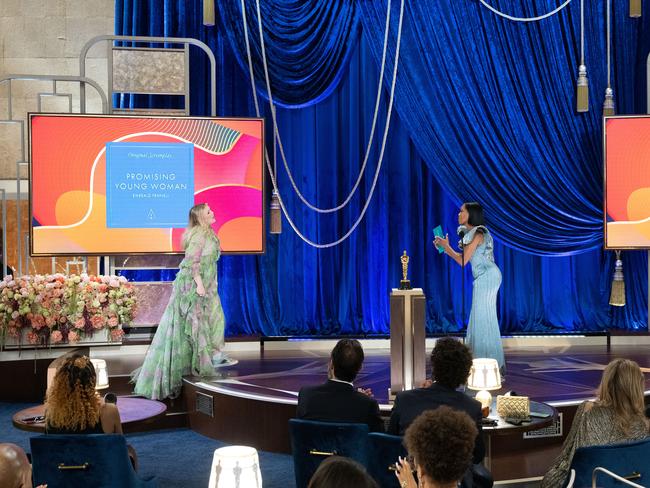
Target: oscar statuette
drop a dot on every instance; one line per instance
(404, 284)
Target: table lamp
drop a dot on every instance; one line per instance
(484, 376)
(101, 373)
(235, 466)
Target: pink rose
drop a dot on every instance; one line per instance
(97, 321)
(80, 323)
(116, 334)
(114, 283)
(32, 337)
(113, 322)
(56, 336)
(13, 332)
(73, 336)
(38, 321)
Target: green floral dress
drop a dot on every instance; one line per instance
(192, 328)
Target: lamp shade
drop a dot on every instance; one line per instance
(235, 466)
(484, 375)
(101, 372)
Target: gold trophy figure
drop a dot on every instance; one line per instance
(404, 284)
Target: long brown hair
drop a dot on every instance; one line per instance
(621, 388)
(195, 222)
(72, 402)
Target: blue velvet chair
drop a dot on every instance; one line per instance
(71, 461)
(312, 442)
(383, 451)
(630, 460)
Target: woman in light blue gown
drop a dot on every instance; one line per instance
(483, 334)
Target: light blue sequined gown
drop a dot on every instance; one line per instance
(483, 334)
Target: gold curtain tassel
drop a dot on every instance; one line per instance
(208, 12)
(617, 295)
(608, 104)
(582, 94)
(635, 8)
(276, 214)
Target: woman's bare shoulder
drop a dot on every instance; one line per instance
(109, 409)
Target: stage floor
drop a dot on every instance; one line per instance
(251, 402)
(562, 375)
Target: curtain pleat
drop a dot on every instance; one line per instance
(484, 111)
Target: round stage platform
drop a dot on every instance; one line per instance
(252, 401)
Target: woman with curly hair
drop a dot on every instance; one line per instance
(617, 415)
(440, 443)
(72, 405)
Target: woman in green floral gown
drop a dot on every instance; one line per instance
(191, 330)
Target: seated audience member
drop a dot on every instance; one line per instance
(72, 405)
(441, 443)
(340, 472)
(337, 400)
(450, 365)
(617, 415)
(15, 470)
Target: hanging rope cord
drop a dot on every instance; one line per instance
(582, 32)
(370, 138)
(524, 19)
(276, 133)
(609, 42)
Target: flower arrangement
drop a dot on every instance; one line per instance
(58, 308)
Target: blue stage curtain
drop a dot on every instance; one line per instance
(308, 45)
(490, 106)
(295, 289)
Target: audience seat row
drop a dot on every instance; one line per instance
(629, 460)
(312, 442)
(80, 461)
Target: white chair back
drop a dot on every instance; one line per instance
(572, 479)
(594, 475)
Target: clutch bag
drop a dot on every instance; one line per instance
(517, 407)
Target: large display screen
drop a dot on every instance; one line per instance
(103, 185)
(627, 182)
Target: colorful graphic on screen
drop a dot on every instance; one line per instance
(627, 182)
(104, 185)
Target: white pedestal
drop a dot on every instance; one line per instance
(407, 339)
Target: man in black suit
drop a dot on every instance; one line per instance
(337, 400)
(450, 365)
